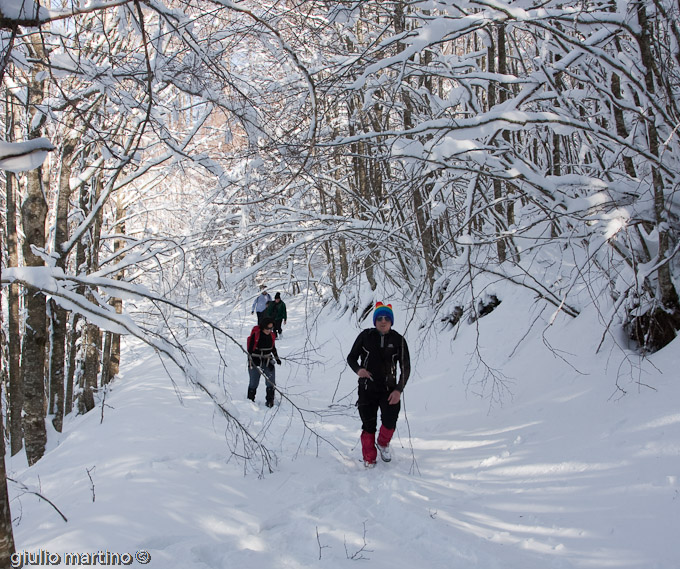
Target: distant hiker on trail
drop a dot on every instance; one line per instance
(261, 347)
(374, 358)
(277, 312)
(260, 304)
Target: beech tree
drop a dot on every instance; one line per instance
(14, 158)
(132, 95)
(423, 145)
(428, 146)
(473, 139)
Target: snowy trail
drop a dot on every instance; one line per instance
(556, 478)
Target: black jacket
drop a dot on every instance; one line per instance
(380, 355)
(261, 348)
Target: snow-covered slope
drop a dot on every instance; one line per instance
(553, 466)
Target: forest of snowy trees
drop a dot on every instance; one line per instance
(201, 144)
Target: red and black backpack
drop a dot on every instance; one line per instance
(254, 339)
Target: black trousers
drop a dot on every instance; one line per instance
(368, 404)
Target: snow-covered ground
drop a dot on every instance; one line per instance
(559, 469)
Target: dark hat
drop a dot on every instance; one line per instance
(277, 295)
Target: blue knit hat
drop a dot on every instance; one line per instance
(383, 310)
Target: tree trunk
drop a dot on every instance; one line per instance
(90, 373)
(111, 352)
(342, 246)
(327, 249)
(497, 184)
(6, 534)
(661, 325)
(15, 392)
(91, 334)
(34, 213)
(106, 359)
(114, 357)
(59, 315)
(117, 303)
(15, 380)
(668, 294)
(72, 340)
(621, 128)
(422, 217)
(57, 364)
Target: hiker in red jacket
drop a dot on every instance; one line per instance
(374, 358)
(261, 347)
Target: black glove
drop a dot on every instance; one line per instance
(278, 361)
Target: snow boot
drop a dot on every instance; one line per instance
(368, 449)
(269, 398)
(384, 438)
(251, 394)
(385, 453)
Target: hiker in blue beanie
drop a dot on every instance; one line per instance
(374, 358)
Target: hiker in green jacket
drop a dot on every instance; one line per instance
(276, 310)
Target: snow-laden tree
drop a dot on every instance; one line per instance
(144, 102)
(433, 146)
(14, 158)
(459, 140)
